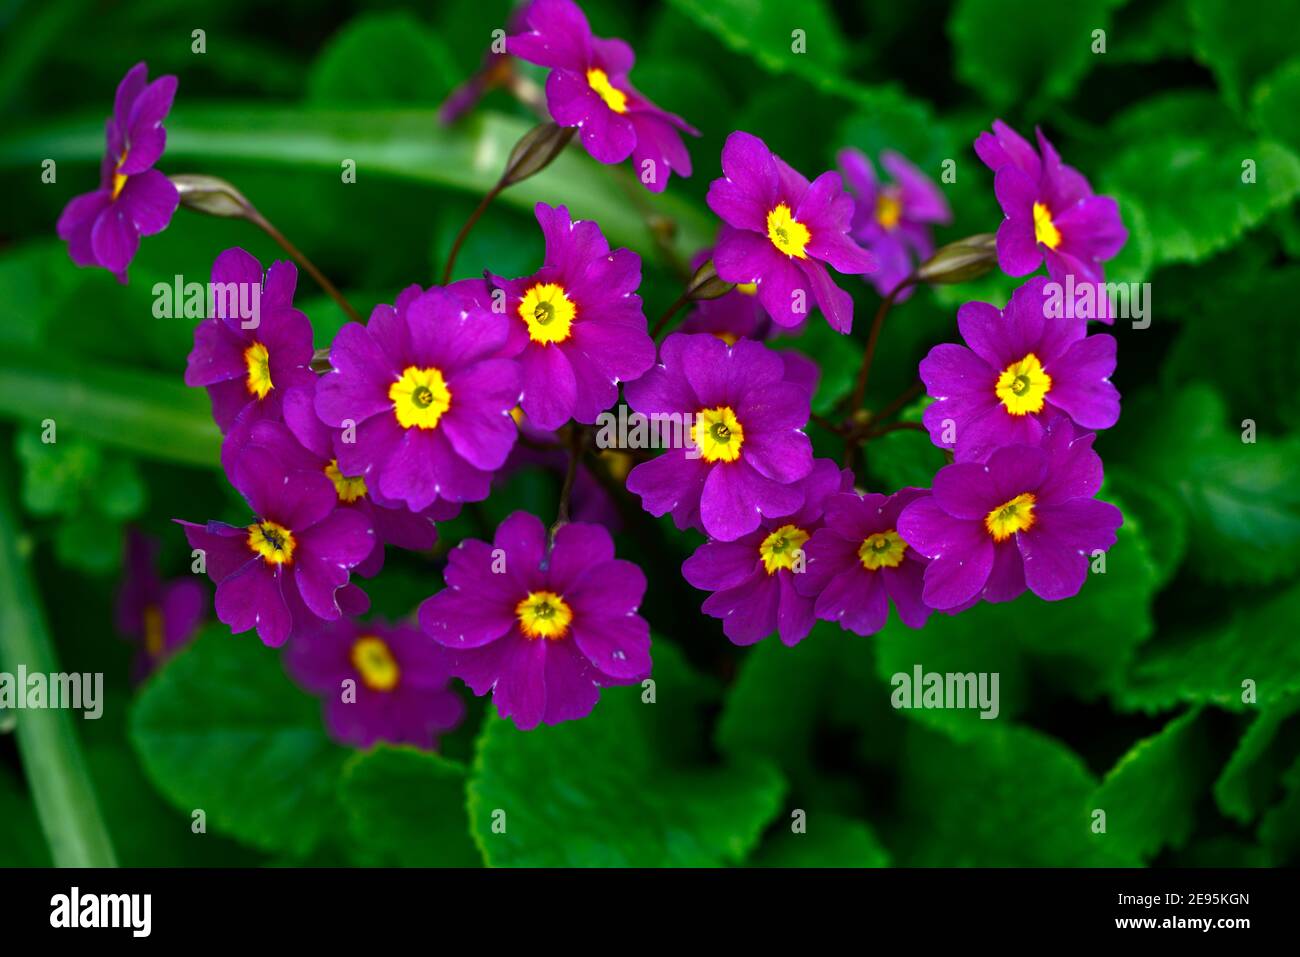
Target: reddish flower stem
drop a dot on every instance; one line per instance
(264, 224)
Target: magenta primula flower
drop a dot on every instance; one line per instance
(160, 616)
(754, 578)
(400, 682)
(893, 220)
(588, 87)
(423, 398)
(289, 567)
(1051, 212)
(543, 630)
(857, 563)
(257, 348)
(781, 232)
(103, 228)
(1020, 368)
(576, 325)
(1025, 518)
(746, 447)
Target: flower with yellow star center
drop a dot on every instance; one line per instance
(420, 397)
(548, 312)
(888, 210)
(544, 614)
(272, 541)
(375, 663)
(787, 233)
(614, 98)
(783, 548)
(718, 434)
(1023, 386)
(1017, 515)
(348, 489)
(882, 550)
(1045, 230)
(258, 360)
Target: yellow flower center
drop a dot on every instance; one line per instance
(272, 541)
(787, 233)
(420, 397)
(888, 210)
(119, 179)
(348, 489)
(782, 548)
(548, 312)
(1023, 386)
(1010, 517)
(259, 370)
(543, 614)
(153, 631)
(748, 288)
(882, 550)
(1045, 230)
(718, 435)
(614, 98)
(374, 661)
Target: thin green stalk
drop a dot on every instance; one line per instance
(52, 760)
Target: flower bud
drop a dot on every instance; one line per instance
(208, 194)
(961, 261)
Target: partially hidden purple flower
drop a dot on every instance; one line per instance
(734, 315)
(1051, 211)
(755, 579)
(290, 567)
(422, 398)
(378, 682)
(576, 325)
(257, 347)
(893, 220)
(782, 232)
(1018, 368)
(542, 630)
(741, 421)
(857, 563)
(103, 228)
(588, 87)
(1026, 518)
(496, 70)
(160, 616)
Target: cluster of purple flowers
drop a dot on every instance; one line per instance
(421, 406)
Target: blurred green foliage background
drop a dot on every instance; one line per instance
(1127, 699)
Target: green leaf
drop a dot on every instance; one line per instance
(1212, 666)
(383, 59)
(1252, 775)
(1012, 51)
(406, 808)
(1241, 500)
(222, 729)
(21, 844)
(1279, 829)
(831, 840)
(906, 457)
(1147, 32)
(1241, 47)
(837, 361)
(607, 791)
(1150, 795)
(1276, 105)
(56, 475)
(88, 542)
(1010, 798)
(1163, 522)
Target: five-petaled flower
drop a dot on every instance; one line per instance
(103, 228)
(781, 232)
(542, 629)
(588, 87)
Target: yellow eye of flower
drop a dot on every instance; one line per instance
(544, 614)
(1010, 517)
(548, 312)
(153, 631)
(1045, 230)
(1023, 386)
(420, 397)
(888, 210)
(119, 179)
(782, 548)
(787, 233)
(374, 661)
(748, 288)
(718, 434)
(348, 489)
(882, 550)
(258, 360)
(614, 98)
(272, 541)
